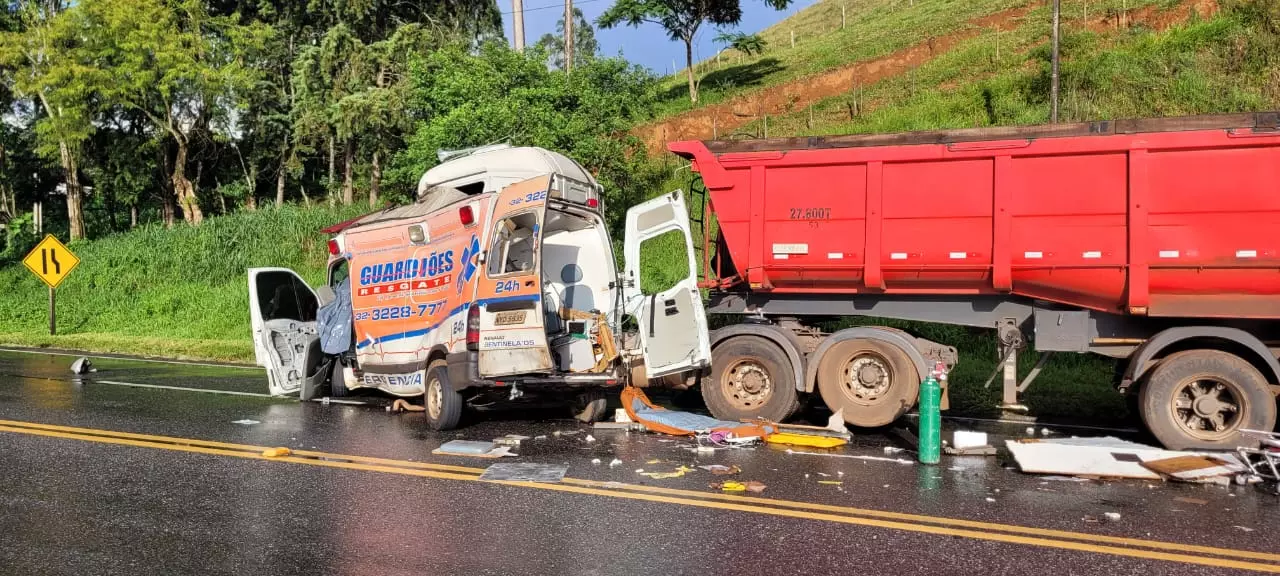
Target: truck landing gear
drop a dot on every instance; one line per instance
(874, 382)
(1203, 399)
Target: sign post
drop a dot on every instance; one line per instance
(51, 262)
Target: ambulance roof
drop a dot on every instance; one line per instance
(490, 168)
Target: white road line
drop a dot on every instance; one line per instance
(130, 359)
(181, 388)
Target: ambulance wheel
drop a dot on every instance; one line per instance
(1203, 399)
(444, 405)
(337, 381)
(874, 382)
(590, 406)
(751, 377)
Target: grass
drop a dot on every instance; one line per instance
(156, 292)
(873, 29)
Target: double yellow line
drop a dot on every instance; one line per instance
(1006, 533)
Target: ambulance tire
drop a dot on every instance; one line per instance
(444, 404)
(590, 406)
(337, 381)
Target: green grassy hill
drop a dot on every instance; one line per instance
(178, 292)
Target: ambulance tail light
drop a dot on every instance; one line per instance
(593, 203)
(333, 247)
(473, 328)
(466, 215)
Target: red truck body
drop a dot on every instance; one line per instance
(1173, 218)
(1155, 242)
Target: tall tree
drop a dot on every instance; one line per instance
(175, 63)
(681, 19)
(585, 46)
(44, 62)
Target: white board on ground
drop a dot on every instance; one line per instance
(1106, 457)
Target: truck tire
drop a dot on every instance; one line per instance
(444, 404)
(874, 382)
(590, 406)
(750, 378)
(1202, 399)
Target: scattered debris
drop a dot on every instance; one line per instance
(615, 463)
(1243, 528)
(620, 416)
(720, 469)
(541, 437)
(852, 456)
(812, 441)
(831, 482)
(961, 439)
(732, 486)
(1063, 479)
(595, 461)
(678, 472)
(276, 452)
(82, 365)
(590, 438)
(245, 422)
(1112, 516)
(654, 461)
(1110, 457)
(657, 419)
(474, 448)
(628, 426)
(974, 451)
(1190, 500)
(824, 475)
(894, 450)
(525, 472)
(512, 440)
(613, 485)
(990, 499)
(402, 405)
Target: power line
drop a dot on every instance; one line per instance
(559, 6)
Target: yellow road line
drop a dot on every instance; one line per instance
(895, 520)
(799, 514)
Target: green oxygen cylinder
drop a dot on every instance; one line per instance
(931, 416)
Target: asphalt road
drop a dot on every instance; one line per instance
(143, 468)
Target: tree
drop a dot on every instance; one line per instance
(585, 46)
(44, 62)
(681, 19)
(747, 44)
(175, 63)
(465, 98)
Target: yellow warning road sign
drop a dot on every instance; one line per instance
(51, 261)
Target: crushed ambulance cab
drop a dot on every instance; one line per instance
(499, 282)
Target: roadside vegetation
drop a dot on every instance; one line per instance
(150, 285)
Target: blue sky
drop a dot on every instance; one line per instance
(647, 45)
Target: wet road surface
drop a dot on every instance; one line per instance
(113, 478)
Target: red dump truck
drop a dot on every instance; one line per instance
(1155, 242)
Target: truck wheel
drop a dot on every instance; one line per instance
(444, 405)
(750, 378)
(873, 382)
(590, 406)
(1202, 399)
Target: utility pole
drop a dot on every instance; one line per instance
(517, 23)
(568, 35)
(1053, 90)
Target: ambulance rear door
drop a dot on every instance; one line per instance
(512, 334)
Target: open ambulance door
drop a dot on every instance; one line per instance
(513, 337)
(282, 312)
(672, 320)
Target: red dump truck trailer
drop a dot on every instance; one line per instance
(1155, 242)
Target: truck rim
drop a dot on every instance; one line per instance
(435, 398)
(867, 377)
(1207, 407)
(747, 383)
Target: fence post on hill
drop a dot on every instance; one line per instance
(842, 16)
(1053, 87)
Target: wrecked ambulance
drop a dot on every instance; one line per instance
(499, 281)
